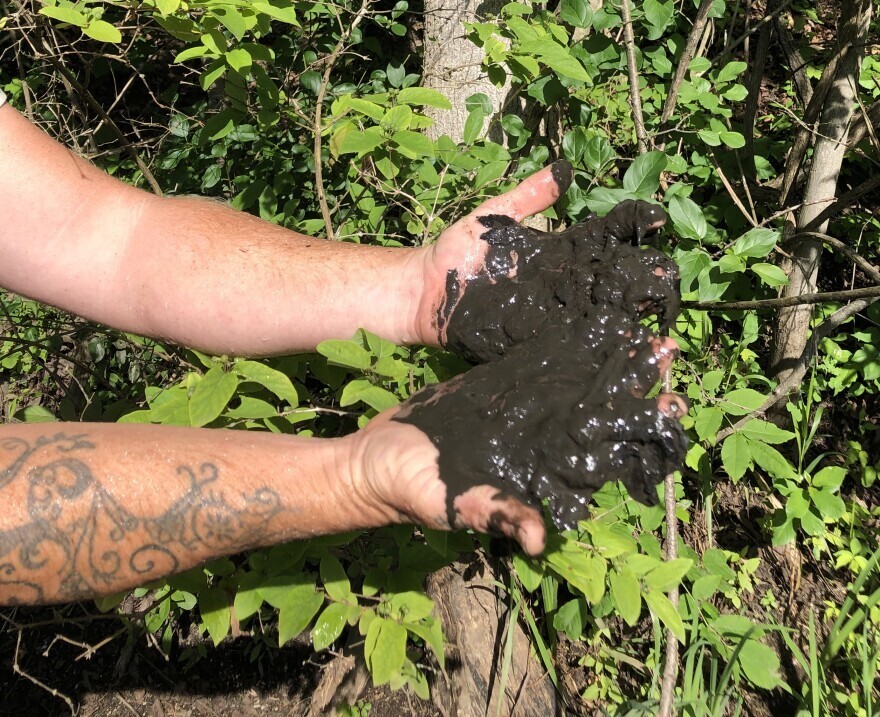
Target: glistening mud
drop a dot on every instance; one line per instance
(556, 408)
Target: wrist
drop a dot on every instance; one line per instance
(432, 289)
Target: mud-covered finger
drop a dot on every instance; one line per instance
(533, 194)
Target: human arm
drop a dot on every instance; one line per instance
(201, 274)
(92, 509)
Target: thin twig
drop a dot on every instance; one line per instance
(319, 108)
(844, 249)
(635, 99)
(16, 668)
(793, 380)
(670, 668)
(684, 62)
(820, 297)
(96, 106)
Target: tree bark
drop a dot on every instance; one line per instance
(475, 620)
(452, 65)
(793, 323)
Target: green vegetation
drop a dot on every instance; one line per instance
(308, 111)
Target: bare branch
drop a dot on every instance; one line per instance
(635, 99)
(319, 108)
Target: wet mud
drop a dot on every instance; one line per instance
(531, 279)
(556, 407)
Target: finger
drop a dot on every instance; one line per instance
(532, 195)
(486, 509)
(672, 405)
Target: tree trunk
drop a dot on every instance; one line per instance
(476, 621)
(452, 65)
(793, 323)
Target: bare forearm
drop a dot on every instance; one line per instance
(92, 509)
(223, 281)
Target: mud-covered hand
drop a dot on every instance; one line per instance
(492, 283)
(554, 419)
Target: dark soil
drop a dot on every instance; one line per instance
(127, 677)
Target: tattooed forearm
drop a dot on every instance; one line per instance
(69, 534)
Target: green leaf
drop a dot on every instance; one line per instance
(230, 18)
(360, 142)
(529, 571)
(211, 396)
(731, 71)
(414, 145)
(760, 664)
(374, 396)
(102, 31)
(64, 14)
(742, 401)
(643, 176)
(247, 598)
(40, 414)
(410, 606)
(385, 649)
(687, 217)
(610, 541)
(770, 274)
(736, 456)
(334, 578)
(570, 618)
(757, 243)
(296, 600)
(658, 14)
(705, 587)
(736, 93)
(282, 10)
(345, 353)
(598, 154)
(329, 626)
(734, 140)
(473, 126)
(576, 12)
(269, 378)
(556, 57)
(829, 477)
(831, 506)
(771, 460)
(433, 636)
(239, 59)
(626, 595)
(668, 574)
(797, 505)
(661, 606)
(214, 610)
(707, 422)
(424, 96)
(765, 431)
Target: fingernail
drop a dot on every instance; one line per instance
(562, 174)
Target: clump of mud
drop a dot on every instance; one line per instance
(556, 408)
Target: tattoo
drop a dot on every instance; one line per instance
(78, 541)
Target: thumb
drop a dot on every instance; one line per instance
(532, 195)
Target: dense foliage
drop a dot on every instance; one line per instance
(306, 111)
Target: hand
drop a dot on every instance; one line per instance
(459, 254)
(484, 449)
(492, 283)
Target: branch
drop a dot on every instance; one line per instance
(319, 108)
(820, 297)
(844, 200)
(635, 99)
(844, 249)
(681, 70)
(750, 109)
(793, 379)
(670, 667)
(795, 161)
(96, 106)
